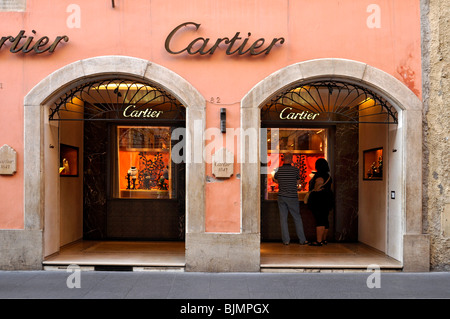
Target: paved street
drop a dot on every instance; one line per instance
(183, 285)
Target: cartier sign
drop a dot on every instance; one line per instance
(29, 44)
(287, 114)
(147, 113)
(234, 45)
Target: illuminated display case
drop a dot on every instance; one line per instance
(68, 161)
(373, 164)
(306, 145)
(144, 166)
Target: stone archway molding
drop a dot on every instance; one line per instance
(37, 129)
(416, 256)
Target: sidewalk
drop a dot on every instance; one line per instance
(184, 285)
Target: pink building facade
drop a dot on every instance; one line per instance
(118, 78)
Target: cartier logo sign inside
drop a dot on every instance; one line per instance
(26, 44)
(287, 114)
(234, 45)
(131, 112)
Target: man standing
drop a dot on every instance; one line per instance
(287, 177)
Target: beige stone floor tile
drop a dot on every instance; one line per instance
(274, 256)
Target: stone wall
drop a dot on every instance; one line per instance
(436, 128)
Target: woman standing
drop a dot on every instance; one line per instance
(321, 200)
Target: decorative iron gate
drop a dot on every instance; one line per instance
(329, 102)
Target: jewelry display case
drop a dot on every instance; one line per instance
(306, 146)
(144, 166)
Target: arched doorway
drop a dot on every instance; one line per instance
(403, 227)
(42, 183)
(336, 121)
(116, 140)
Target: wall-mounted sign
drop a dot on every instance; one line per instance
(8, 160)
(29, 44)
(235, 45)
(287, 114)
(223, 163)
(13, 5)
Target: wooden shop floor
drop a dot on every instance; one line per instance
(275, 257)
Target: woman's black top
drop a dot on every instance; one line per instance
(324, 199)
(325, 176)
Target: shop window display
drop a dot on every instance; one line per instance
(306, 145)
(144, 167)
(68, 161)
(373, 164)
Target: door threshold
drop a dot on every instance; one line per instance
(119, 256)
(334, 257)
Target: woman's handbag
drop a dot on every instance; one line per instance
(307, 195)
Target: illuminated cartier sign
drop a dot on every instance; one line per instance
(286, 114)
(41, 45)
(203, 46)
(147, 113)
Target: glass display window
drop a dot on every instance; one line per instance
(144, 168)
(373, 164)
(68, 160)
(306, 145)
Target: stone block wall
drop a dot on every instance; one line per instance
(436, 129)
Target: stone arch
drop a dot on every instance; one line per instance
(38, 132)
(415, 245)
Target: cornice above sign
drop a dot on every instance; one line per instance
(40, 46)
(234, 46)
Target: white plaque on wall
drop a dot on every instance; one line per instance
(223, 163)
(13, 5)
(8, 160)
